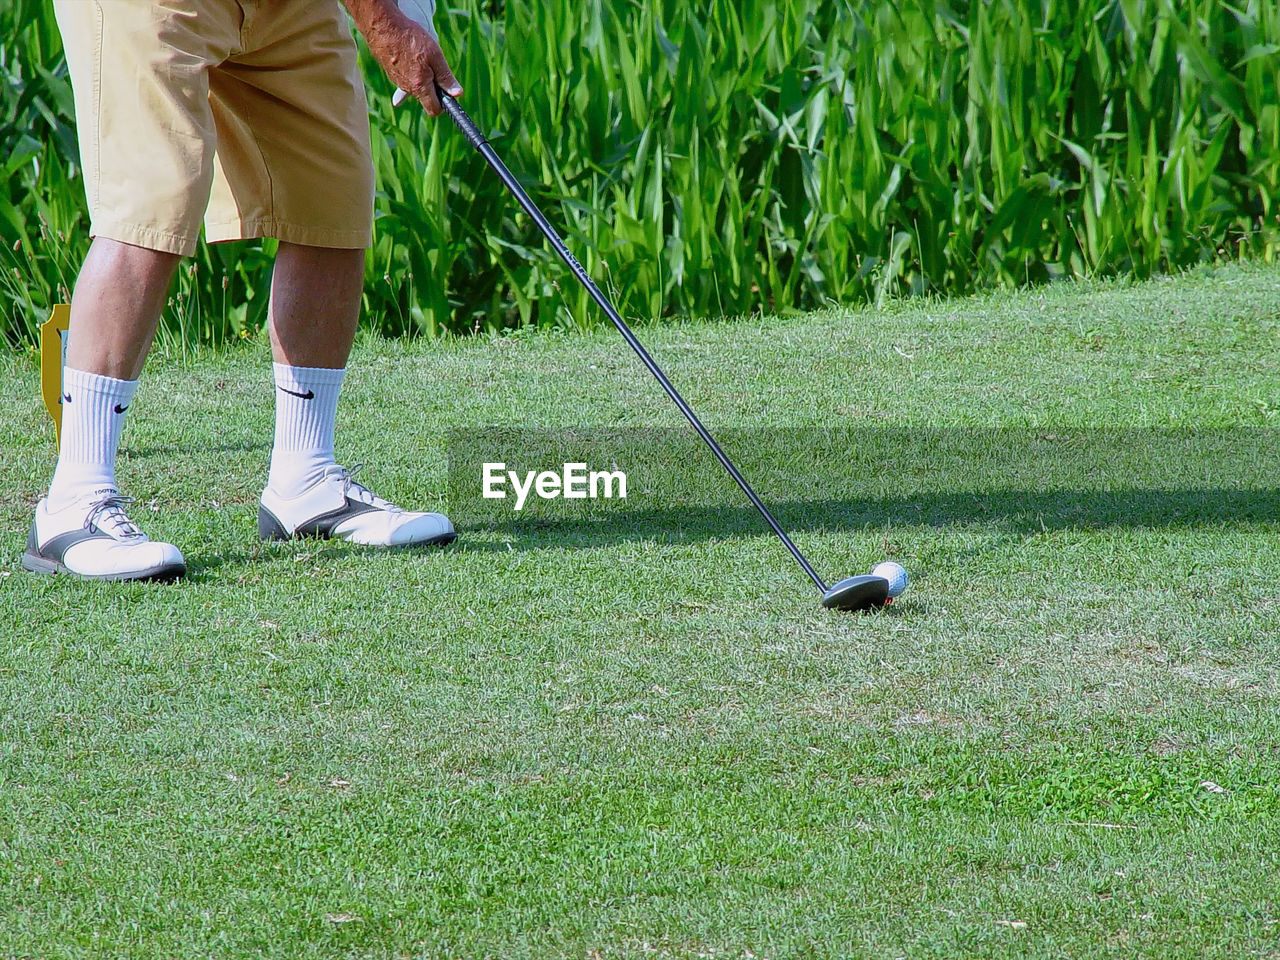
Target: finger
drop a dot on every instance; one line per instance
(427, 95)
(448, 83)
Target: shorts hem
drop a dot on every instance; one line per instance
(289, 233)
(147, 237)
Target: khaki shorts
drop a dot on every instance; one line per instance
(251, 110)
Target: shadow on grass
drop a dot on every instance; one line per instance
(848, 478)
(1019, 512)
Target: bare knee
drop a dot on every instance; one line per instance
(130, 263)
(119, 295)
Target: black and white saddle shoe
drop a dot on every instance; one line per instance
(338, 507)
(94, 538)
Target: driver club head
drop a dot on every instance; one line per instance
(866, 592)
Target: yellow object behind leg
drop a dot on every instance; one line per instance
(53, 357)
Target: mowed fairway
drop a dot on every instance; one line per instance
(642, 737)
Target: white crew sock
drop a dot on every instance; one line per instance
(306, 404)
(93, 411)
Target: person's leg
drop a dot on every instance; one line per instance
(117, 302)
(81, 525)
(296, 165)
(315, 307)
(146, 131)
(116, 305)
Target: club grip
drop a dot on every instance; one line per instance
(459, 117)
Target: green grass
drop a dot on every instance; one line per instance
(633, 733)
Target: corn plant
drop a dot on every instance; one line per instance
(742, 155)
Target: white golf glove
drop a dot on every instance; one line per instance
(421, 12)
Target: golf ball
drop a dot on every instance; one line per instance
(894, 573)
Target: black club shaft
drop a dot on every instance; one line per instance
(477, 140)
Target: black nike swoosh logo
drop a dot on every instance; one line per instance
(120, 409)
(65, 398)
(302, 396)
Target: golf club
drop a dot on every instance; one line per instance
(852, 593)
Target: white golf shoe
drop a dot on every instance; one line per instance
(338, 507)
(94, 538)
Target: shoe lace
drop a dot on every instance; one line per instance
(108, 516)
(358, 491)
